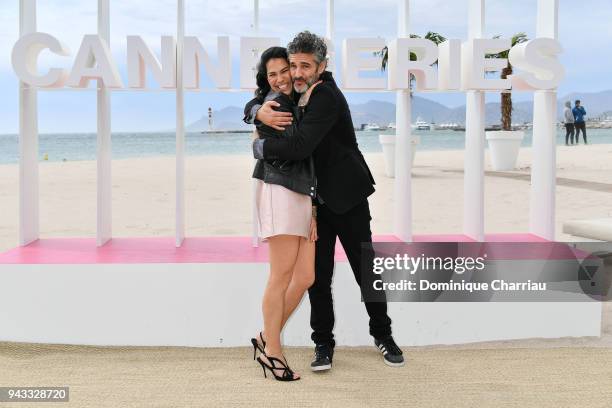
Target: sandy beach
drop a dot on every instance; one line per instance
(208, 377)
(218, 194)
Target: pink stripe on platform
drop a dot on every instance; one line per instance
(513, 237)
(193, 250)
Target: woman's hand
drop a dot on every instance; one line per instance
(306, 95)
(275, 119)
(313, 230)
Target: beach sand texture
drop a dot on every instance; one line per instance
(218, 195)
(207, 377)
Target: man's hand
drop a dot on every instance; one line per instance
(267, 115)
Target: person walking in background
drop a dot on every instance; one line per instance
(569, 123)
(579, 114)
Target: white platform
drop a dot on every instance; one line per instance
(219, 304)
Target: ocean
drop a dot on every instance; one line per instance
(82, 146)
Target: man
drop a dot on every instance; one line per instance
(569, 123)
(344, 182)
(579, 124)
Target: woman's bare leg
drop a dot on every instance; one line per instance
(302, 278)
(284, 251)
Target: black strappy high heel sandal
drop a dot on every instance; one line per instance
(288, 374)
(257, 345)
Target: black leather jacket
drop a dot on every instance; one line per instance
(296, 175)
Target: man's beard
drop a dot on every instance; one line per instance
(304, 88)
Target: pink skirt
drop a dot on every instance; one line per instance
(281, 211)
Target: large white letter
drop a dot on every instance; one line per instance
(139, 56)
(539, 58)
(24, 59)
(475, 64)
(194, 53)
(449, 65)
(400, 66)
(352, 64)
(331, 54)
(94, 61)
(250, 50)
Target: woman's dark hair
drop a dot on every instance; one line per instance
(263, 87)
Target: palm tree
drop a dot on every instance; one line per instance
(506, 97)
(384, 53)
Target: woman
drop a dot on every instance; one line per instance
(287, 220)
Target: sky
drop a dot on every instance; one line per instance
(583, 32)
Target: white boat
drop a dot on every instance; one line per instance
(372, 126)
(391, 125)
(420, 124)
(606, 123)
(447, 126)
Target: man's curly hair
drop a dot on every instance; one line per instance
(308, 43)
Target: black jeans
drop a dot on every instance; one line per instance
(569, 133)
(580, 126)
(353, 229)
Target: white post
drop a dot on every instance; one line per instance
(329, 34)
(543, 166)
(473, 179)
(403, 147)
(28, 141)
(256, 16)
(547, 19)
(255, 237)
(180, 128)
(330, 19)
(103, 148)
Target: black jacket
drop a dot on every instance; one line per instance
(296, 175)
(326, 132)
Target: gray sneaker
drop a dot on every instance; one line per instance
(392, 354)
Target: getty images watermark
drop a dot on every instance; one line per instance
(486, 271)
